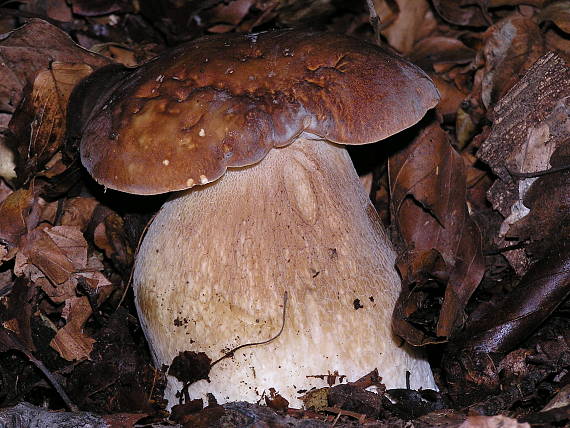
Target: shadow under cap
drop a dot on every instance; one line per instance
(225, 100)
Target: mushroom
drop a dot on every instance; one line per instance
(289, 217)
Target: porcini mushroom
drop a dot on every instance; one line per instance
(289, 216)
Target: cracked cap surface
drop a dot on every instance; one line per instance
(226, 100)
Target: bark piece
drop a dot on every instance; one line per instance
(529, 123)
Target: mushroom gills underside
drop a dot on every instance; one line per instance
(217, 260)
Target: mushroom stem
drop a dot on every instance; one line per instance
(217, 260)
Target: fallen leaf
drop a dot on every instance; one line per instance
(451, 98)
(14, 215)
(123, 420)
(39, 123)
(513, 45)
(464, 12)
(100, 7)
(558, 13)
(276, 401)
(428, 189)
(39, 249)
(30, 49)
(109, 236)
(70, 341)
(439, 50)
(407, 26)
(498, 421)
(228, 13)
(499, 327)
(78, 211)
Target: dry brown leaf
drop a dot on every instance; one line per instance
(500, 327)
(57, 293)
(39, 124)
(428, 188)
(38, 249)
(15, 212)
(472, 13)
(70, 341)
(438, 50)
(451, 98)
(513, 45)
(558, 13)
(228, 14)
(78, 212)
(405, 29)
(118, 53)
(59, 10)
(30, 49)
(498, 421)
(561, 399)
(109, 236)
(98, 8)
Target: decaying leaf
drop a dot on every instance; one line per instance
(558, 13)
(70, 341)
(513, 45)
(38, 125)
(428, 187)
(15, 211)
(40, 250)
(98, 8)
(451, 98)
(439, 50)
(412, 20)
(224, 16)
(29, 50)
(499, 327)
(78, 211)
(492, 422)
(464, 12)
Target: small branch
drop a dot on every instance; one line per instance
(52, 380)
(265, 342)
(535, 174)
(10, 341)
(517, 246)
(361, 417)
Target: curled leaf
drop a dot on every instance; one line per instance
(428, 187)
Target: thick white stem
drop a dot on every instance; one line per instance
(213, 268)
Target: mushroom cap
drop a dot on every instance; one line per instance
(226, 100)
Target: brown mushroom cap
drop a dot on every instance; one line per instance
(225, 101)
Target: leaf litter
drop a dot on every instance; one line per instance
(482, 246)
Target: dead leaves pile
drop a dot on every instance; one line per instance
(478, 197)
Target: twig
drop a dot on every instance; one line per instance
(265, 342)
(505, 249)
(535, 174)
(52, 380)
(340, 412)
(10, 341)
